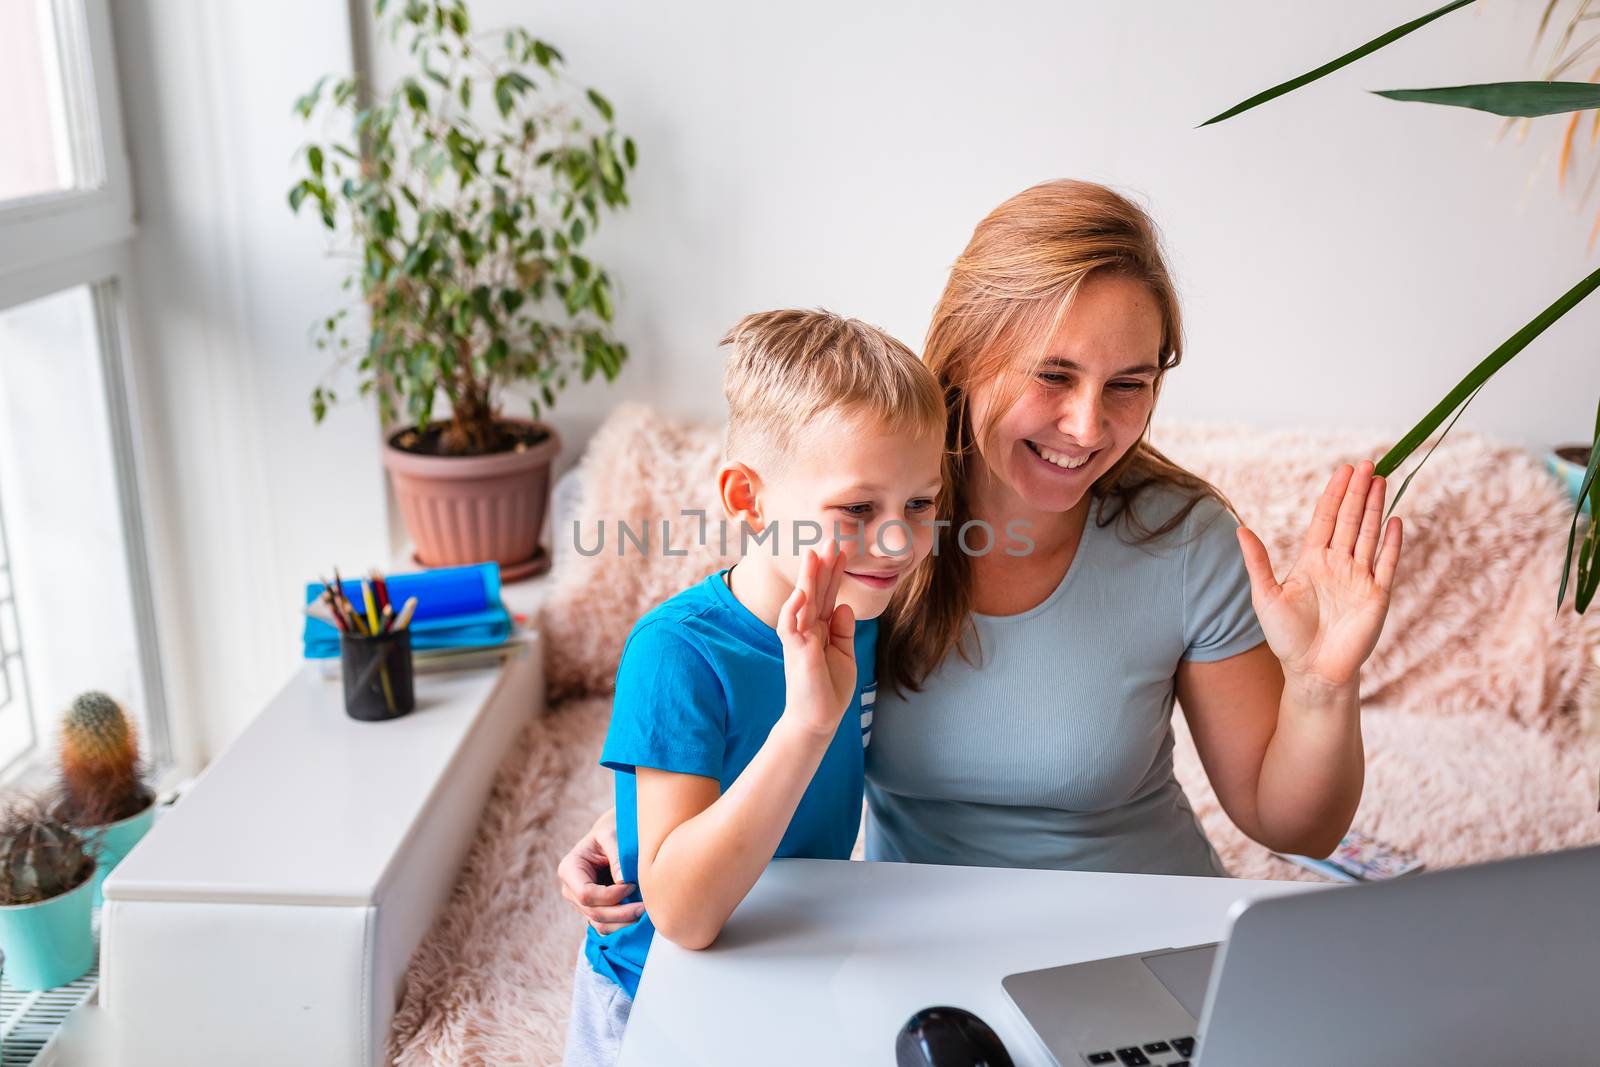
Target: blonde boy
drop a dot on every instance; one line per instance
(744, 703)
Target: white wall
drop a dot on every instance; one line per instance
(1343, 258)
(248, 497)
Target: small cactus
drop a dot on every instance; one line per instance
(40, 856)
(101, 776)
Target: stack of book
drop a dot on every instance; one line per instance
(459, 619)
(1360, 858)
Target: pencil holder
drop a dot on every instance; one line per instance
(377, 675)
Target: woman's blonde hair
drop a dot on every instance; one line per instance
(1007, 294)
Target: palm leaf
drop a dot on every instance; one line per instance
(1460, 411)
(1566, 150)
(1577, 54)
(1343, 61)
(1544, 24)
(1516, 99)
(1591, 489)
(1483, 372)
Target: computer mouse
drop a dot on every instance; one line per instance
(948, 1037)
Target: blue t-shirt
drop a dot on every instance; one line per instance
(699, 688)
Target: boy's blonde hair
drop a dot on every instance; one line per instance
(788, 368)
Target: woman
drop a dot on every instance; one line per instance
(1027, 717)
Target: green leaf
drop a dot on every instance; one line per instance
(296, 195)
(1474, 380)
(577, 297)
(481, 303)
(1590, 489)
(1343, 61)
(1588, 573)
(415, 96)
(600, 299)
(629, 152)
(314, 160)
(305, 104)
(1512, 99)
(601, 104)
(504, 98)
(1406, 484)
(545, 52)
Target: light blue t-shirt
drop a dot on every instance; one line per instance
(699, 688)
(1055, 751)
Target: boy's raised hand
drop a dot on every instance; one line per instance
(818, 635)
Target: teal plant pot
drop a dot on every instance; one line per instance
(114, 841)
(50, 943)
(1569, 473)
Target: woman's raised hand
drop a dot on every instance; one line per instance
(1323, 620)
(818, 637)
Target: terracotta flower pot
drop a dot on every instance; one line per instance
(476, 509)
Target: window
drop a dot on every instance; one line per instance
(76, 606)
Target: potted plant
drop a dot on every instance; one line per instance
(102, 789)
(1570, 463)
(46, 871)
(466, 194)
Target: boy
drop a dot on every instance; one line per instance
(743, 703)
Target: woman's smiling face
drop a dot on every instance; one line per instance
(1087, 403)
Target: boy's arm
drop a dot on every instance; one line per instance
(699, 853)
(713, 848)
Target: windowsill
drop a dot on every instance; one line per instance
(38, 775)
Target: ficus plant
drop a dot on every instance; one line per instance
(464, 196)
(1514, 99)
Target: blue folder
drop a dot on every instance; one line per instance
(457, 607)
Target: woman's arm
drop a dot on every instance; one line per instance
(1287, 767)
(1278, 728)
(591, 878)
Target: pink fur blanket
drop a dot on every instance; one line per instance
(1473, 749)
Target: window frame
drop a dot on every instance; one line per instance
(43, 230)
(82, 237)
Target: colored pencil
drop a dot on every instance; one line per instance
(372, 611)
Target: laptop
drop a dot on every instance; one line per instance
(1492, 964)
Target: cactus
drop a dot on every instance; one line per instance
(101, 775)
(40, 855)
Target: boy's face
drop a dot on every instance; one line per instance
(872, 489)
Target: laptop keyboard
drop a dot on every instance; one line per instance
(1171, 1052)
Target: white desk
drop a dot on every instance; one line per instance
(826, 960)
